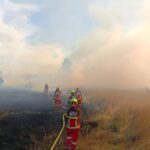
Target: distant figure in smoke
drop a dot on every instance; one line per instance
(57, 99)
(72, 125)
(46, 88)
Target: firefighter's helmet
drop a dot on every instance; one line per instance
(73, 101)
(72, 91)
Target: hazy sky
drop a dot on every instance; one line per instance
(92, 43)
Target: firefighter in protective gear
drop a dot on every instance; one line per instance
(72, 95)
(46, 88)
(57, 99)
(72, 125)
(78, 95)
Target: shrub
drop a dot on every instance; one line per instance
(131, 135)
(114, 126)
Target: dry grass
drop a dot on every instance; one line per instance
(124, 123)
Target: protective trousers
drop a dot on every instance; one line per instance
(72, 138)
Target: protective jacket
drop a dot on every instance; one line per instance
(73, 127)
(73, 118)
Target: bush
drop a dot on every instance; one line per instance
(131, 135)
(114, 126)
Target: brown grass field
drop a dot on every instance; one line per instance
(111, 120)
(121, 121)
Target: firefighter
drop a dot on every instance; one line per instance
(72, 95)
(46, 88)
(72, 125)
(57, 99)
(78, 95)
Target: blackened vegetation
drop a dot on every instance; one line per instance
(23, 131)
(27, 121)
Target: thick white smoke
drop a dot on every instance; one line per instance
(115, 55)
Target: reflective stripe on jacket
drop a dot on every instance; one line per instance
(73, 119)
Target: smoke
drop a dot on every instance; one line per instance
(66, 65)
(114, 56)
(113, 61)
(21, 61)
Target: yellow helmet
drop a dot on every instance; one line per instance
(73, 101)
(72, 91)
